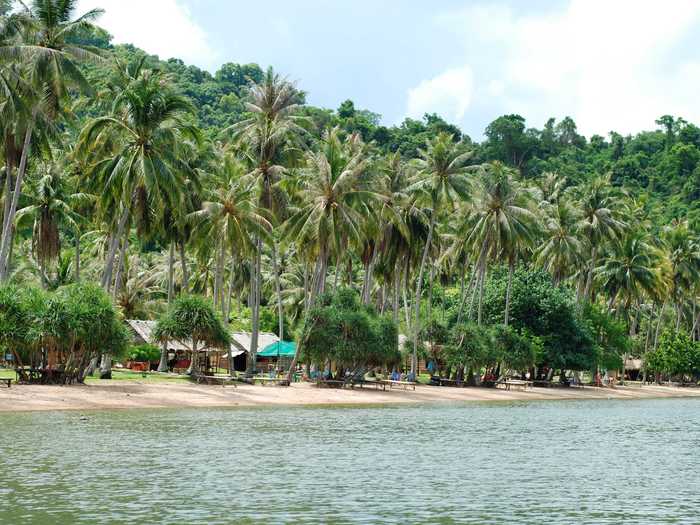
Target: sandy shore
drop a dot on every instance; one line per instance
(130, 394)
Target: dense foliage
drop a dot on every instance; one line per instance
(342, 331)
(157, 179)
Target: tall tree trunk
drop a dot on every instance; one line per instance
(171, 272)
(6, 239)
(658, 325)
(482, 278)
(106, 366)
(397, 284)
(229, 294)
(163, 364)
(185, 273)
(589, 277)
(121, 265)
(369, 271)
(219, 274)
(77, 257)
(113, 246)
(511, 268)
(278, 286)
(194, 361)
(419, 287)
(255, 311)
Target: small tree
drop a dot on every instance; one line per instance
(79, 323)
(192, 319)
(351, 335)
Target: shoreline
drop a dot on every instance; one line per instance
(117, 394)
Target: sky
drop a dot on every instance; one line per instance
(609, 64)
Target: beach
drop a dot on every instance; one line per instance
(133, 394)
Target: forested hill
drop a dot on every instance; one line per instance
(660, 167)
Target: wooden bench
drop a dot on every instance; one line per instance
(361, 383)
(7, 381)
(517, 383)
(215, 380)
(281, 381)
(403, 384)
(330, 383)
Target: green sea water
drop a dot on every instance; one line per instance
(535, 462)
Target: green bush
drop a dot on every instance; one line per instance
(144, 353)
(348, 333)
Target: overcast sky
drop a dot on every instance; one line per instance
(609, 64)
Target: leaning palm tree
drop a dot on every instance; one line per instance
(439, 181)
(48, 56)
(504, 222)
(135, 154)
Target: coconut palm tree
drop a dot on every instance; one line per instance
(49, 57)
(51, 207)
(601, 221)
(136, 154)
(439, 181)
(561, 251)
(267, 138)
(505, 223)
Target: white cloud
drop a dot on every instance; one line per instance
(448, 94)
(161, 27)
(608, 64)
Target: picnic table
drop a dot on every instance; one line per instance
(516, 383)
(362, 382)
(7, 381)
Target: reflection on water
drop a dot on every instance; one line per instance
(551, 462)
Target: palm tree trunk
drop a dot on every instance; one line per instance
(163, 364)
(77, 256)
(278, 286)
(255, 311)
(106, 366)
(658, 325)
(589, 277)
(171, 272)
(229, 294)
(121, 265)
(511, 268)
(218, 274)
(367, 285)
(419, 286)
(6, 239)
(185, 274)
(482, 278)
(113, 245)
(397, 284)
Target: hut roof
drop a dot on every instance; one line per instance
(241, 340)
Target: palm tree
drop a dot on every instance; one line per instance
(504, 222)
(136, 154)
(561, 251)
(266, 137)
(51, 207)
(439, 181)
(684, 257)
(50, 63)
(630, 274)
(601, 210)
(336, 202)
